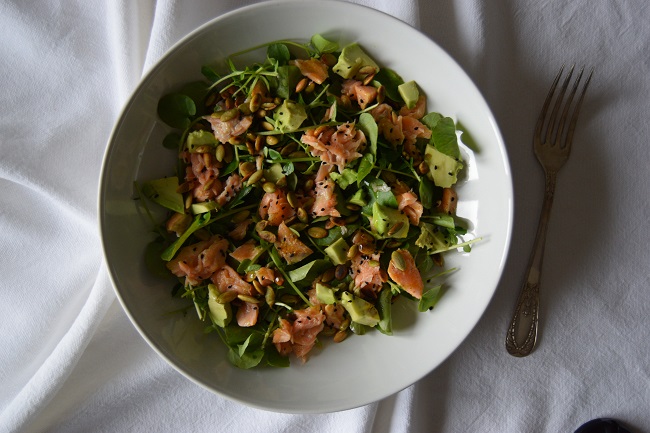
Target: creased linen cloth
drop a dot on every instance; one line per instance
(71, 360)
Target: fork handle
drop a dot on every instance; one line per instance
(522, 332)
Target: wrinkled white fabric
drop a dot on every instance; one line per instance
(72, 361)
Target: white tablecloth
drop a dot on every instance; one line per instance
(70, 359)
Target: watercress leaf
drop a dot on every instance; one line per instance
(444, 138)
(209, 73)
(323, 45)
(288, 77)
(427, 192)
(430, 120)
(430, 298)
(232, 166)
(247, 360)
(272, 153)
(196, 90)
(344, 179)
(274, 359)
(288, 168)
(175, 109)
(172, 141)
(279, 52)
(369, 127)
(199, 222)
(467, 138)
(239, 198)
(310, 270)
(383, 193)
(365, 167)
(390, 80)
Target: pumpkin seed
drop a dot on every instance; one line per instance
(268, 187)
(290, 299)
(381, 94)
(353, 207)
(258, 287)
(340, 272)
(302, 215)
(269, 297)
(241, 216)
(272, 140)
(395, 228)
(255, 177)
(352, 252)
(373, 263)
(310, 87)
(188, 201)
(299, 226)
(398, 260)
(220, 153)
(367, 249)
(301, 85)
(248, 299)
(267, 236)
(423, 168)
(226, 297)
(267, 126)
(317, 232)
(255, 102)
(340, 336)
(246, 169)
(291, 198)
(229, 114)
(291, 147)
(328, 275)
(309, 184)
(345, 324)
(368, 79)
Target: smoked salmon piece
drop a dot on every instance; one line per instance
(409, 278)
(289, 246)
(227, 279)
(197, 262)
(275, 207)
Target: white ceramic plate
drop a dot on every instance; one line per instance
(362, 369)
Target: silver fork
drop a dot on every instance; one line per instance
(552, 145)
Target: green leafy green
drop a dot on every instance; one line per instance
(176, 110)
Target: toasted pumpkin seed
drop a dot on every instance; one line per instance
(267, 126)
(291, 147)
(246, 169)
(267, 236)
(340, 336)
(328, 275)
(241, 216)
(345, 324)
(310, 87)
(299, 226)
(317, 232)
(188, 201)
(395, 228)
(423, 168)
(398, 260)
(381, 94)
(229, 114)
(255, 102)
(261, 225)
(309, 184)
(220, 153)
(258, 287)
(367, 249)
(269, 296)
(255, 177)
(368, 79)
(340, 272)
(268, 187)
(302, 215)
(226, 297)
(353, 207)
(291, 198)
(352, 252)
(272, 140)
(301, 85)
(248, 299)
(289, 299)
(373, 263)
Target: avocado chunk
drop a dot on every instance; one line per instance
(289, 116)
(409, 93)
(221, 314)
(352, 59)
(325, 294)
(274, 173)
(385, 218)
(200, 138)
(361, 311)
(358, 198)
(338, 251)
(163, 192)
(203, 207)
(443, 169)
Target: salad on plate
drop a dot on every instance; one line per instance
(312, 190)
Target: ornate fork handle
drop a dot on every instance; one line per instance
(523, 330)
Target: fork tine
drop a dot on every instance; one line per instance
(574, 116)
(547, 102)
(553, 135)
